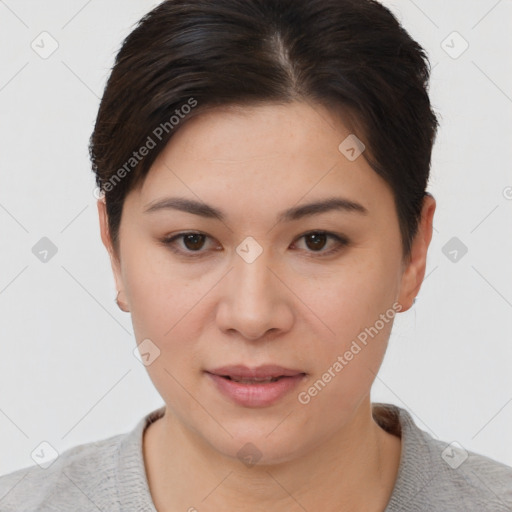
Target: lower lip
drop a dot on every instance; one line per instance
(256, 395)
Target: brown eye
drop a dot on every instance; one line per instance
(188, 244)
(316, 241)
(191, 245)
(193, 241)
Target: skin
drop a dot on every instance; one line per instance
(291, 306)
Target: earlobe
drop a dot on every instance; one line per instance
(122, 306)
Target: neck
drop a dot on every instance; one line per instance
(354, 469)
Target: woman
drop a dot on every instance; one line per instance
(264, 167)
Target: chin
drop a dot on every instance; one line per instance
(256, 447)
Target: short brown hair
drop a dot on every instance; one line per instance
(351, 54)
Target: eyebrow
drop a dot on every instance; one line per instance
(295, 213)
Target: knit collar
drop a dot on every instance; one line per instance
(133, 487)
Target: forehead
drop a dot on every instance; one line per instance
(253, 156)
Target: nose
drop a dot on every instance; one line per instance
(254, 301)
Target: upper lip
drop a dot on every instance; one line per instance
(260, 372)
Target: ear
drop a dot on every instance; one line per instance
(107, 242)
(414, 272)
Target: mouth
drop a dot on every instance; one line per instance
(255, 387)
(266, 380)
(260, 374)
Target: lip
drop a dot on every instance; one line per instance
(261, 372)
(255, 395)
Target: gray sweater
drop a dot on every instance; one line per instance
(109, 475)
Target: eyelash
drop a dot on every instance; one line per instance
(342, 242)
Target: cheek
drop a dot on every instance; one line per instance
(352, 298)
(345, 369)
(167, 305)
(166, 308)
(356, 308)
(158, 293)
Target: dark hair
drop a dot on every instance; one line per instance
(187, 56)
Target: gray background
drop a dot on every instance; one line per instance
(68, 374)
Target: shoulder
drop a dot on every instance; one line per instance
(468, 478)
(77, 479)
(436, 475)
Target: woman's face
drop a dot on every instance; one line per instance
(254, 290)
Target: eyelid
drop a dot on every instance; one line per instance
(168, 242)
(341, 240)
